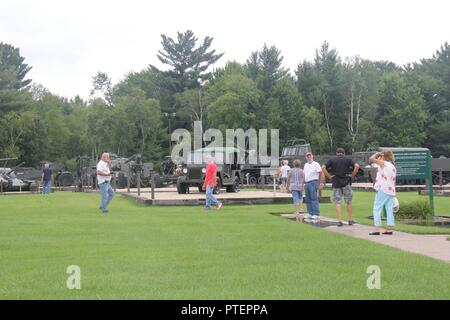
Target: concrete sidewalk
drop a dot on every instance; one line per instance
(435, 246)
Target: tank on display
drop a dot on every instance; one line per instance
(10, 181)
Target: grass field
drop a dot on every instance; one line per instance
(240, 252)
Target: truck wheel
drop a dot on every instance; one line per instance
(217, 187)
(235, 187)
(252, 180)
(181, 187)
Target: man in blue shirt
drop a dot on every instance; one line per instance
(46, 179)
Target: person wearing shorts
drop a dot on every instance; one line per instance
(341, 170)
(295, 185)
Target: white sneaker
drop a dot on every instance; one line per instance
(316, 217)
(310, 216)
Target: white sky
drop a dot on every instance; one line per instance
(67, 42)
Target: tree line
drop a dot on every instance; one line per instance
(331, 101)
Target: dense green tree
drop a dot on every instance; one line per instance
(13, 70)
(315, 130)
(191, 106)
(432, 76)
(400, 119)
(144, 115)
(285, 110)
(102, 86)
(228, 112)
(320, 84)
(13, 85)
(242, 88)
(360, 90)
(50, 114)
(188, 62)
(265, 67)
(15, 127)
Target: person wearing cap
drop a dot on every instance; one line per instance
(313, 182)
(104, 179)
(341, 170)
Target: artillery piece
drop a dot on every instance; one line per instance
(9, 181)
(124, 171)
(133, 169)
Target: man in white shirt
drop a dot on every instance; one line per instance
(313, 182)
(104, 179)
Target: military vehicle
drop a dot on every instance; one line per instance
(125, 169)
(10, 181)
(62, 177)
(170, 171)
(297, 149)
(86, 172)
(441, 170)
(228, 170)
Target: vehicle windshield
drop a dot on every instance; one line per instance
(199, 157)
(295, 151)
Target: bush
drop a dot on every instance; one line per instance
(414, 210)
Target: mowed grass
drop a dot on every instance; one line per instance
(240, 252)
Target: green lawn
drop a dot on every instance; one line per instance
(241, 252)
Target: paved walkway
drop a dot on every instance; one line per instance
(434, 246)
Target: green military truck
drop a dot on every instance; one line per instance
(228, 170)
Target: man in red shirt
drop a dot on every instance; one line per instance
(210, 183)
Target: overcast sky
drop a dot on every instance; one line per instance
(67, 42)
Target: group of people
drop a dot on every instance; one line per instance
(340, 170)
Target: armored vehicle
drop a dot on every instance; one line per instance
(10, 181)
(228, 170)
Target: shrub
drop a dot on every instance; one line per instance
(416, 209)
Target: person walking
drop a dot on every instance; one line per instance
(341, 170)
(313, 182)
(104, 181)
(385, 187)
(46, 179)
(295, 186)
(210, 183)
